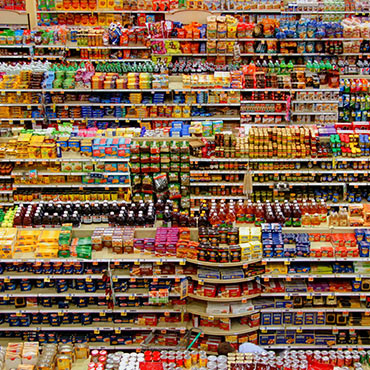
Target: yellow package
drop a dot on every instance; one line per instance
(30, 235)
(49, 236)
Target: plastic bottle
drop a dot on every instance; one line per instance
(297, 217)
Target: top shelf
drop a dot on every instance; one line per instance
(174, 11)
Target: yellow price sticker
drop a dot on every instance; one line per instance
(117, 331)
(60, 313)
(114, 279)
(47, 280)
(7, 280)
(96, 331)
(131, 297)
(102, 314)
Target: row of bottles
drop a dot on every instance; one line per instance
(288, 214)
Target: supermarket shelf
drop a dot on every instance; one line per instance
(71, 309)
(169, 104)
(206, 171)
(247, 39)
(207, 197)
(316, 309)
(263, 102)
(315, 276)
(236, 329)
(20, 105)
(319, 347)
(200, 309)
(316, 259)
(197, 118)
(314, 113)
(313, 327)
(314, 101)
(51, 173)
(107, 60)
(20, 119)
(216, 183)
(75, 46)
(68, 157)
(217, 264)
(244, 113)
(10, 275)
(222, 281)
(50, 292)
(70, 185)
(96, 326)
(219, 299)
(292, 183)
(316, 294)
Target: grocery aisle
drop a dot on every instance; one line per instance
(183, 174)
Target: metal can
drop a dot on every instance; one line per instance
(187, 361)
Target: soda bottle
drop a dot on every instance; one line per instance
(240, 211)
(259, 216)
(306, 219)
(297, 217)
(167, 217)
(192, 220)
(213, 218)
(249, 212)
(111, 219)
(96, 216)
(230, 217)
(105, 213)
(87, 217)
(75, 219)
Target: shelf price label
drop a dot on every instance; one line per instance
(96, 331)
(117, 331)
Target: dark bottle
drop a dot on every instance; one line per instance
(78, 208)
(46, 219)
(65, 219)
(87, 217)
(75, 219)
(114, 208)
(140, 220)
(50, 208)
(111, 219)
(150, 218)
(192, 220)
(203, 220)
(121, 219)
(55, 220)
(159, 209)
(59, 209)
(184, 219)
(37, 219)
(131, 219)
(27, 219)
(167, 217)
(175, 218)
(96, 214)
(105, 213)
